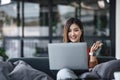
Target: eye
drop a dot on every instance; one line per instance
(76, 30)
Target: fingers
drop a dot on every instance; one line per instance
(99, 43)
(96, 46)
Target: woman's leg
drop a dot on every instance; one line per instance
(66, 73)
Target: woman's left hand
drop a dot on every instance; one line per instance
(96, 46)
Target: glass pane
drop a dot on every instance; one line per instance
(9, 20)
(96, 23)
(31, 19)
(31, 48)
(35, 48)
(95, 16)
(12, 48)
(8, 17)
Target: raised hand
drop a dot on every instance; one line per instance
(96, 46)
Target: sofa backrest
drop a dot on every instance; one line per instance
(102, 59)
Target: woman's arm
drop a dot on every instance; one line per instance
(93, 60)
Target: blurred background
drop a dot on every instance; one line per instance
(27, 26)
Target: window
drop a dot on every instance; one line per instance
(27, 27)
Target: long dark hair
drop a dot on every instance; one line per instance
(69, 22)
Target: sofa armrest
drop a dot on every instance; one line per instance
(39, 63)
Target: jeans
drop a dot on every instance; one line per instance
(66, 74)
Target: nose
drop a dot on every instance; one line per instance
(72, 33)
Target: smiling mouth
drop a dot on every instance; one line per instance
(73, 37)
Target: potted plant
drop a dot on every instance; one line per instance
(3, 54)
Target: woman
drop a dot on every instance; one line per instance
(73, 32)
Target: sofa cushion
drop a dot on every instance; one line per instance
(5, 69)
(105, 70)
(24, 71)
(89, 75)
(39, 63)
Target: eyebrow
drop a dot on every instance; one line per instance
(76, 28)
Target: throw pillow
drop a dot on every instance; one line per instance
(24, 71)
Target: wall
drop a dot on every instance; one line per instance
(117, 29)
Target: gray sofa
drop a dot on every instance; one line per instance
(42, 63)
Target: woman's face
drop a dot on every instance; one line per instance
(74, 33)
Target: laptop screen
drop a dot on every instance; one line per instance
(68, 55)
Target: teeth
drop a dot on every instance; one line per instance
(73, 38)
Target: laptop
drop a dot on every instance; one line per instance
(68, 55)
